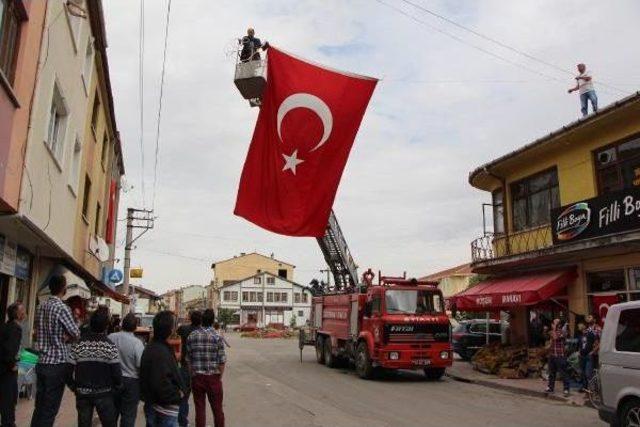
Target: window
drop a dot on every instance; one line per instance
(282, 273)
(619, 166)
(88, 64)
(271, 280)
(260, 296)
(296, 298)
(252, 297)
(57, 125)
(85, 199)
(606, 281)
(10, 19)
(96, 229)
(230, 295)
(105, 150)
(300, 313)
(498, 211)
(533, 198)
(305, 298)
(269, 296)
(74, 175)
(628, 333)
(284, 297)
(94, 116)
(257, 280)
(245, 296)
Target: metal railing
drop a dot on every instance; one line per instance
(494, 246)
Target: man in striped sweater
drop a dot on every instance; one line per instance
(96, 372)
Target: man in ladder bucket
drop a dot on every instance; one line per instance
(250, 46)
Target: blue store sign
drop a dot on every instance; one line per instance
(115, 276)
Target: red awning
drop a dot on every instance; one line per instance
(515, 291)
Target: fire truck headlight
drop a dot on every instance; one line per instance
(444, 355)
(394, 355)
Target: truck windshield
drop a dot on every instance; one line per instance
(413, 302)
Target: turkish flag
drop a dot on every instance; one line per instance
(306, 126)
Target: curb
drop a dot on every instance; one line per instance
(516, 390)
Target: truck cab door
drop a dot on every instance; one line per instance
(372, 318)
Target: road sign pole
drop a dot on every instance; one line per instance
(144, 221)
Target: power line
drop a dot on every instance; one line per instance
(141, 100)
(499, 43)
(159, 119)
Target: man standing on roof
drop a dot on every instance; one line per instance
(250, 46)
(584, 85)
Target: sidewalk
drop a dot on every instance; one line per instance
(463, 371)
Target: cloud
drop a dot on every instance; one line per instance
(441, 109)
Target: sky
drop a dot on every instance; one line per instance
(448, 101)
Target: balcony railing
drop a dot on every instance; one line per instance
(495, 246)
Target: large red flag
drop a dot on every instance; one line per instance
(306, 126)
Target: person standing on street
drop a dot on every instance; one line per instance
(130, 349)
(10, 338)
(161, 385)
(584, 86)
(97, 375)
(55, 327)
(557, 359)
(589, 345)
(206, 357)
(183, 331)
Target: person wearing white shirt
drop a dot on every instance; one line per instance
(584, 86)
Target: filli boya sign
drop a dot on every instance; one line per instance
(607, 214)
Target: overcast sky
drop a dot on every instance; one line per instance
(444, 106)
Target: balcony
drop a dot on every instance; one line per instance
(495, 246)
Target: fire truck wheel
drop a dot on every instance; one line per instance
(329, 359)
(320, 350)
(364, 368)
(434, 373)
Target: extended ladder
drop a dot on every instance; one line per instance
(336, 253)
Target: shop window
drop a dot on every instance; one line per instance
(628, 333)
(498, 211)
(10, 20)
(533, 198)
(606, 281)
(619, 166)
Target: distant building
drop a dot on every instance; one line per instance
(146, 301)
(266, 298)
(452, 280)
(181, 300)
(245, 265)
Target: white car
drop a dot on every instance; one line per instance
(619, 370)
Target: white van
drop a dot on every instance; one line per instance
(619, 369)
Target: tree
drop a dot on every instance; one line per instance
(225, 315)
(293, 321)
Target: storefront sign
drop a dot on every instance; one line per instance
(8, 252)
(607, 214)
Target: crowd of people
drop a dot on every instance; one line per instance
(109, 371)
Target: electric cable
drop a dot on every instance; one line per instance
(141, 100)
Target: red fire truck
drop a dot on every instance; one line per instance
(397, 323)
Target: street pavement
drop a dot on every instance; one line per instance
(266, 385)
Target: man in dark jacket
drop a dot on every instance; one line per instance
(10, 337)
(161, 385)
(96, 372)
(183, 331)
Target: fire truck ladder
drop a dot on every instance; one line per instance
(336, 253)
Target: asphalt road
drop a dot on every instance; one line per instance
(266, 385)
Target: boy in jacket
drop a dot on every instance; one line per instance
(97, 375)
(161, 385)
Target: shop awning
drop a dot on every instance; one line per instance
(515, 291)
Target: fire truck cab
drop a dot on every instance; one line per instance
(398, 323)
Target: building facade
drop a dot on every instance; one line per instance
(452, 280)
(244, 265)
(58, 55)
(186, 298)
(267, 299)
(146, 301)
(566, 234)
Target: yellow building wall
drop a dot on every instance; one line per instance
(453, 284)
(245, 266)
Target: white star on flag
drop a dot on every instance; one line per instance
(291, 162)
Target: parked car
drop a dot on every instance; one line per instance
(619, 370)
(471, 335)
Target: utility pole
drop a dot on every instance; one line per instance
(136, 218)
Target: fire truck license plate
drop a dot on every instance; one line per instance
(421, 362)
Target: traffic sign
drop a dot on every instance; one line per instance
(115, 276)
